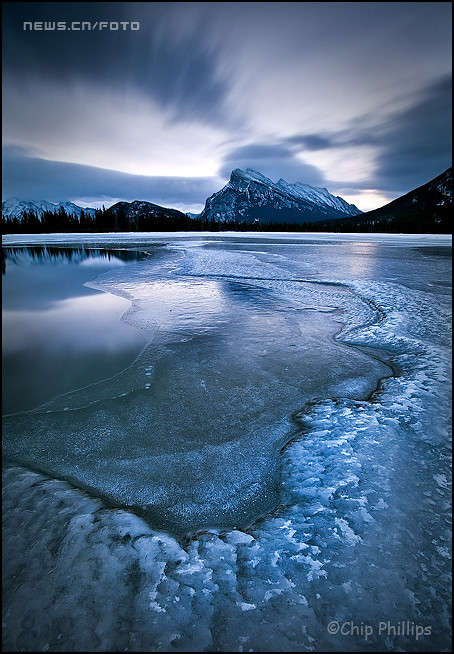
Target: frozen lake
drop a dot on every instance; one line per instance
(226, 442)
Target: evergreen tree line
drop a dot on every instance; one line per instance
(103, 220)
(106, 220)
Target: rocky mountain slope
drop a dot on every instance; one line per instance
(250, 197)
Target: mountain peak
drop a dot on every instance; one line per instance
(249, 175)
(249, 196)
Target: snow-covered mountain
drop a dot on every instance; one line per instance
(319, 196)
(251, 197)
(14, 208)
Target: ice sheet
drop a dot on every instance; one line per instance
(356, 556)
(190, 433)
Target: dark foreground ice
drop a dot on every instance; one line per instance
(252, 343)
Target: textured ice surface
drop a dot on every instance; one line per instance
(190, 433)
(361, 537)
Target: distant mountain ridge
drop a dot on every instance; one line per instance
(250, 200)
(425, 210)
(427, 207)
(14, 208)
(250, 197)
(137, 208)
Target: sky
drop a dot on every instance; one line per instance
(160, 101)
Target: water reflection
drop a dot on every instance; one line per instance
(31, 255)
(58, 334)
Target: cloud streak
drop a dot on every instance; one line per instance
(91, 186)
(351, 96)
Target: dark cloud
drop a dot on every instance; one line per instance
(80, 53)
(411, 145)
(55, 181)
(288, 83)
(416, 143)
(273, 161)
(174, 68)
(311, 142)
